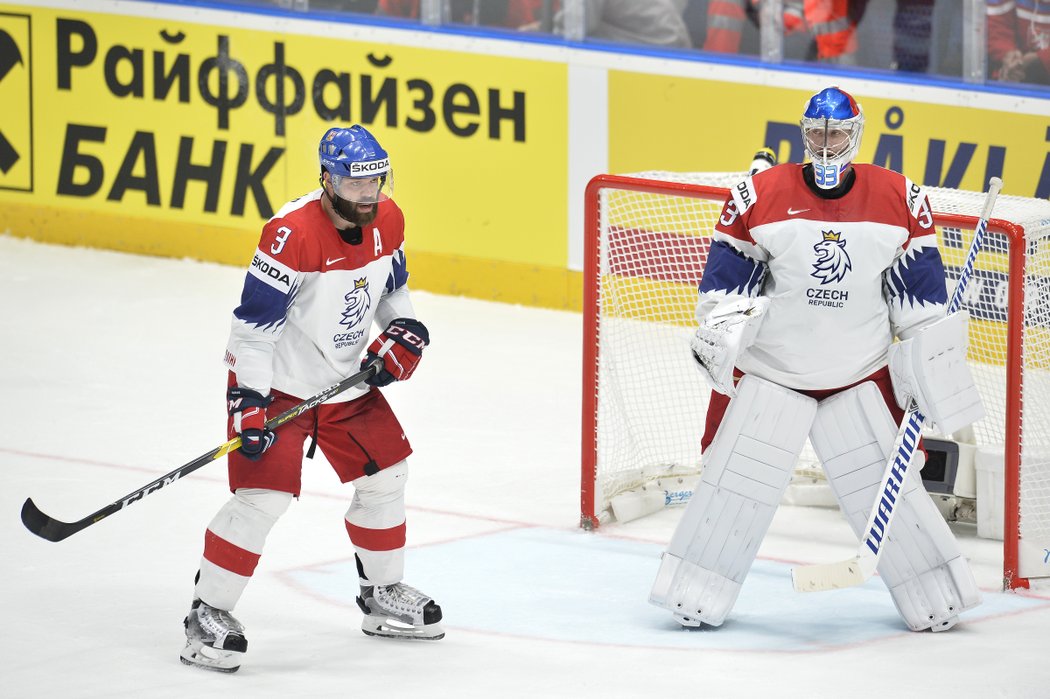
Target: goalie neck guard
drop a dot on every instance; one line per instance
(832, 125)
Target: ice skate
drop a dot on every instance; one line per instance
(399, 611)
(214, 639)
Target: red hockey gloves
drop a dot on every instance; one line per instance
(401, 346)
(248, 410)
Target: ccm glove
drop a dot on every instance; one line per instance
(400, 346)
(248, 410)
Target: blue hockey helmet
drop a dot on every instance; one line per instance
(832, 125)
(358, 166)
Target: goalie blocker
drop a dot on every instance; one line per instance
(930, 366)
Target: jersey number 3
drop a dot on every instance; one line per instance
(730, 214)
(280, 240)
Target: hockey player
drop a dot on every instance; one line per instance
(328, 264)
(812, 272)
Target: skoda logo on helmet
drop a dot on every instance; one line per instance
(359, 169)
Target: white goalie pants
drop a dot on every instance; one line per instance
(921, 563)
(233, 543)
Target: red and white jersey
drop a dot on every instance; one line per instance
(843, 275)
(310, 298)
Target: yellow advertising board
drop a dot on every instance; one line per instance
(171, 137)
(708, 125)
(715, 126)
(178, 131)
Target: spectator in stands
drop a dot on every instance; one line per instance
(1019, 40)
(364, 7)
(515, 14)
(654, 22)
(832, 24)
(912, 33)
(399, 8)
(725, 24)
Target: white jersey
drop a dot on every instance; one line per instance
(843, 275)
(310, 298)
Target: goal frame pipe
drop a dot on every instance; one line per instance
(1015, 302)
(591, 326)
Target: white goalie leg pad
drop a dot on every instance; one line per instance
(236, 536)
(931, 367)
(921, 562)
(746, 470)
(376, 524)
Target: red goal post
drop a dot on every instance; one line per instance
(645, 244)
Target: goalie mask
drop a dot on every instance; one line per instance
(359, 173)
(832, 125)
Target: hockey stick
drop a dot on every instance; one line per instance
(56, 530)
(856, 570)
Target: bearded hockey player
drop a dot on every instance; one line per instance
(813, 271)
(328, 265)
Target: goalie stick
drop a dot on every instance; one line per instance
(52, 529)
(856, 570)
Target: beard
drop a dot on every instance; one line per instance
(350, 212)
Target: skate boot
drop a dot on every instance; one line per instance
(214, 639)
(399, 611)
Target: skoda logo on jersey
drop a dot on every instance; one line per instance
(832, 259)
(357, 304)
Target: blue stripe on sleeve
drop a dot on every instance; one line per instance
(730, 271)
(262, 305)
(399, 272)
(918, 278)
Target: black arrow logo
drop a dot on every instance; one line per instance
(10, 57)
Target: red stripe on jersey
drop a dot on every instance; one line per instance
(656, 255)
(377, 539)
(877, 196)
(229, 556)
(304, 238)
(731, 222)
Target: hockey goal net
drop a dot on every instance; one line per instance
(644, 402)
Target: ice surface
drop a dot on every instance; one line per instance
(111, 375)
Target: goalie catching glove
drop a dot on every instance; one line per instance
(248, 410)
(400, 347)
(930, 366)
(727, 330)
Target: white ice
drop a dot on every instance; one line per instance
(111, 375)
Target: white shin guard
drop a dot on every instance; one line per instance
(746, 470)
(376, 513)
(921, 563)
(243, 522)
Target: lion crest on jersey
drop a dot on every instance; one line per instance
(357, 303)
(832, 259)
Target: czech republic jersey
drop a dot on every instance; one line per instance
(310, 297)
(843, 276)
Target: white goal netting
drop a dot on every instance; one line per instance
(650, 401)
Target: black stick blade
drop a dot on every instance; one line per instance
(44, 526)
